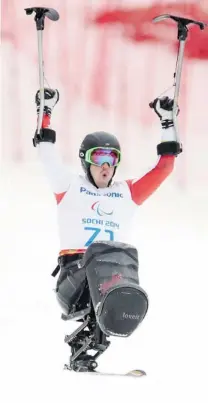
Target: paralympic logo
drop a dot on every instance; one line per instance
(98, 209)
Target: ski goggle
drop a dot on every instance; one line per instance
(101, 155)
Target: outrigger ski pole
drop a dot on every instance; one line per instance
(40, 14)
(182, 36)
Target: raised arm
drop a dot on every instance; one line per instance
(168, 149)
(57, 173)
(142, 188)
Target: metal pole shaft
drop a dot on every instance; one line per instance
(177, 84)
(41, 79)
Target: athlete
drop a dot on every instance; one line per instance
(93, 206)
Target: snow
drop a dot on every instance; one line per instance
(171, 343)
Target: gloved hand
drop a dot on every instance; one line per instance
(163, 107)
(51, 97)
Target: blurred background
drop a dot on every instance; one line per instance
(108, 61)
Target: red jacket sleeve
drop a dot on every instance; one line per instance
(142, 188)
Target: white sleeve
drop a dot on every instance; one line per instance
(169, 134)
(57, 173)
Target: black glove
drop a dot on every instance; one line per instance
(163, 107)
(51, 97)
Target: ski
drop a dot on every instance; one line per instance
(135, 373)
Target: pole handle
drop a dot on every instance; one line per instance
(40, 14)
